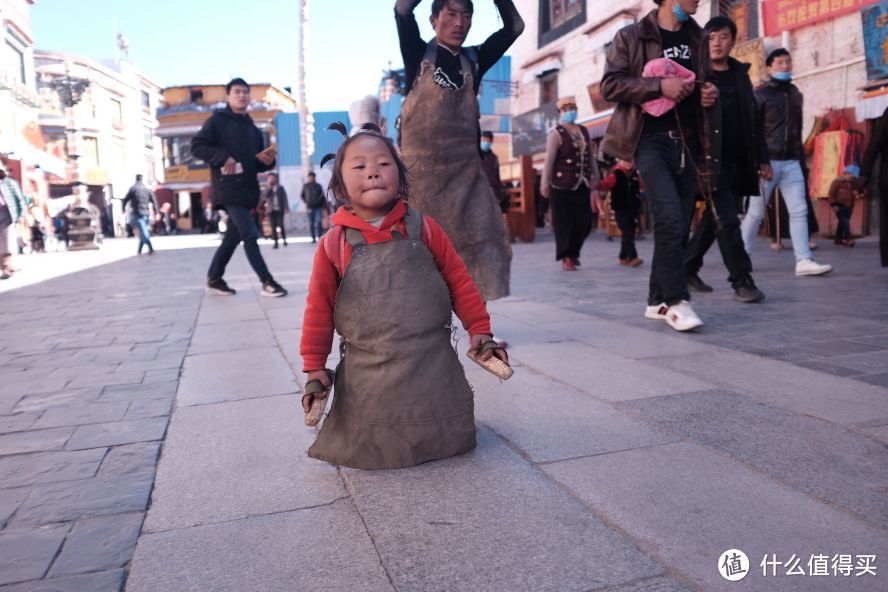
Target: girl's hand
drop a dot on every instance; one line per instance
(480, 339)
(321, 375)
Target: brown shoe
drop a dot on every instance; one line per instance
(568, 265)
(635, 262)
(623, 261)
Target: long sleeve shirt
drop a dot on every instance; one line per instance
(413, 48)
(318, 326)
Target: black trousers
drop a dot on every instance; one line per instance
(843, 229)
(671, 183)
(571, 220)
(241, 227)
(730, 240)
(277, 221)
(627, 222)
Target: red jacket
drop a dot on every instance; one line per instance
(317, 326)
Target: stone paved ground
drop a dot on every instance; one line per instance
(622, 456)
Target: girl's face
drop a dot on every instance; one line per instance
(370, 175)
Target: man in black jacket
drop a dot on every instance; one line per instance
(232, 145)
(780, 105)
(744, 159)
(142, 200)
(316, 202)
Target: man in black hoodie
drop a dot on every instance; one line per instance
(231, 144)
(744, 159)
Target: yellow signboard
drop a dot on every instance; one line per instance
(183, 174)
(753, 53)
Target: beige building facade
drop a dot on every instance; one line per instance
(108, 137)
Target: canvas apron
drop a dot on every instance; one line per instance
(401, 396)
(439, 143)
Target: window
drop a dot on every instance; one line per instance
(90, 151)
(146, 101)
(558, 17)
(561, 11)
(177, 152)
(17, 63)
(549, 87)
(196, 95)
(148, 137)
(116, 113)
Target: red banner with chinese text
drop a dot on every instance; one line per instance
(783, 15)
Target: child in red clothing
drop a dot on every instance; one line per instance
(387, 279)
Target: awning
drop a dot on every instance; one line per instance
(873, 104)
(597, 126)
(21, 150)
(537, 68)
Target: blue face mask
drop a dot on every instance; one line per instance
(679, 13)
(486, 146)
(782, 76)
(569, 116)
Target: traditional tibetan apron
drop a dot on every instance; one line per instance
(439, 143)
(401, 396)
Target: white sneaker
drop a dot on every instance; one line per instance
(656, 312)
(682, 317)
(811, 267)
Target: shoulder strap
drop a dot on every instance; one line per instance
(334, 246)
(414, 223)
(354, 237)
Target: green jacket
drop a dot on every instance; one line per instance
(15, 201)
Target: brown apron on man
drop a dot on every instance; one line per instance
(401, 396)
(439, 143)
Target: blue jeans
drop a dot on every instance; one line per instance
(144, 233)
(241, 227)
(671, 191)
(789, 178)
(315, 217)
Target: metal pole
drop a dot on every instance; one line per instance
(306, 121)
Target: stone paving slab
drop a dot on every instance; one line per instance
(784, 385)
(99, 496)
(131, 458)
(140, 392)
(688, 505)
(49, 467)
(68, 396)
(650, 585)
(34, 441)
(253, 462)
(630, 342)
(321, 548)
(10, 500)
(71, 415)
(214, 378)
(98, 544)
(830, 457)
(148, 408)
(26, 555)
(570, 362)
(551, 422)
(233, 336)
(118, 432)
(487, 520)
(106, 581)
(228, 309)
(17, 422)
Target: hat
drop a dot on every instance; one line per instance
(853, 170)
(565, 101)
(487, 134)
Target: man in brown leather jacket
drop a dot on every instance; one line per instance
(670, 151)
